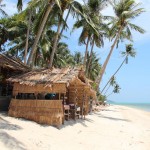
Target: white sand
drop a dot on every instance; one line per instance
(115, 128)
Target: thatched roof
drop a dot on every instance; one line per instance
(50, 76)
(12, 63)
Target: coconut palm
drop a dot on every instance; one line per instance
(1, 10)
(115, 90)
(48, 8)
(129, 52)
(94, 67)
(3, 36)
(97, 39)
(73, 7)
(19, 5)
(27, 36)
(88, 35)
(78, 58)
(112, 82)
(125, 11)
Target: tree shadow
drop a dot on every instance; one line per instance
(110, 110)
(11, 142)
(8, 126)
(4, 124)
(74, 122)
(114, 119)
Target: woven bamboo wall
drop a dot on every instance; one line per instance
(78, 94)
(39, 88)
(41, 111)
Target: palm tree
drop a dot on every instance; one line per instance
(19, 5)
(85, 36)
(78, 58)
(73, 7)
(1, 10)
(48, 8)
(94, 66)
(3, 36)
(27, 37)
(88, 35)
(129, 52)
(112, 82)
(125, 11)
(98, 41)
(115, 90)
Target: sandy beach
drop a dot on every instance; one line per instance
(113, 128)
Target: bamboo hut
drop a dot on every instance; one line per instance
(69, 85)
(9, 66)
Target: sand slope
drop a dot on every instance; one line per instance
(114, 128)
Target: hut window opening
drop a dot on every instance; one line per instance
(5, 87)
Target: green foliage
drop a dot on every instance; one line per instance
(94, 67)
(1, 77)
(101, 98)
(13, 31)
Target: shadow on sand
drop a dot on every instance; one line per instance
(11, 142)
(78, 121)
(72, 122)
(4, 124)
(114, 119)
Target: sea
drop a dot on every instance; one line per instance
(142, 106)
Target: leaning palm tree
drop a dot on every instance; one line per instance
(49, 4)
(27, 36)
(129, 52)
(112, 82)
(125, 11)
(73, 7)
(115, 90)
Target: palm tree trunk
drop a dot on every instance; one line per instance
(58, 38)
(27, 38)
(40, 30)
(90, 60)
(109, 94)
(107, 59)
(64, 24)
(55, 44)
(114, 74)
(86, 51)
(107, 89)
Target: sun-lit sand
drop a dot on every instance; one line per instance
(114, 128)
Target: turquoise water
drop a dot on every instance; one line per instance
(142, 106)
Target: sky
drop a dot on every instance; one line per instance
(134, 77)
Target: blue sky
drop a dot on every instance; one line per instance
(133, 78)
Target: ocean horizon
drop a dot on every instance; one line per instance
(142, 106)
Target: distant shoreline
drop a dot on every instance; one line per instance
(141, 106)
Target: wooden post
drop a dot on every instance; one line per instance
(82, 105)
(59, 96)
(63, 120)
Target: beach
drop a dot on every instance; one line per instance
(112, 128)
